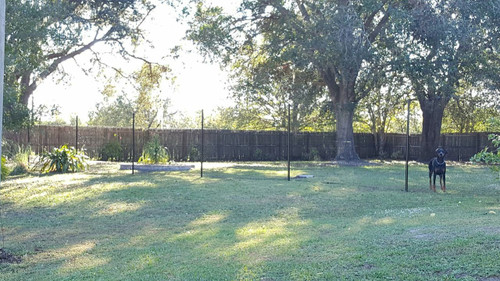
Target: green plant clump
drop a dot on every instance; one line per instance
(490, 158)
(63, 160)
(5, 170)
(112, 151)
(21, 160)
(154, 153)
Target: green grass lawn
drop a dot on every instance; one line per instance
(246, 222)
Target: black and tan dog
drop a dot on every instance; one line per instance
(437, 166)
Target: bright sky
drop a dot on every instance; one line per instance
(198, 85)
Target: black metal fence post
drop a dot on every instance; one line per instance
(133, 141)
(76, 139)
(407, 145)
(288, 142)
(202, 142)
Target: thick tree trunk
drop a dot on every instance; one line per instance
(381, 144)
(344, 114)
(432, 110)
(343, 96)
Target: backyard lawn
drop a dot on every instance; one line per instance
(247, 222)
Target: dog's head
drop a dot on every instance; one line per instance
(441, 152)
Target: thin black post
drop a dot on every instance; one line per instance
(29, 128)
(76, 140)
(407, 145)
(202, 142)
(133, 141)
(288, 142)
(31, 119)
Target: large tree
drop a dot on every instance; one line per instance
(150, 106)
(267, 87)
(445, 45)
(41, 35)
(336, 38)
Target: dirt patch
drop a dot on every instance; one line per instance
(6, 257)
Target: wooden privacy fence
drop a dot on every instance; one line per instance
(225, 145)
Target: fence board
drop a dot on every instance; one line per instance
(225, 145)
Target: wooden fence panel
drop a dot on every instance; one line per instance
(226, 145)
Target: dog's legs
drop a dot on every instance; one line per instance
(443, 186)
(434, 183)
(430, 180)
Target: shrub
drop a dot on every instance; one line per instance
(313, 155)
(5, 170)
(63, 160)
(194, 154)
(154, 153)
(112, 151)
(258, 154)
(490, 158)
(21, 160)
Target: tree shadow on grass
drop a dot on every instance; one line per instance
(178, 226)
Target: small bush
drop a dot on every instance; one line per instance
(313, 155)
(258, 154)
(112, 151)
(398, 155)
(63, 160)
(5, 170)
(194, 154)
(490, 158)
(154, 153)
(21, 160)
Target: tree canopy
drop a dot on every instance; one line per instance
(334, 38)
(41, 35)
(444, 47)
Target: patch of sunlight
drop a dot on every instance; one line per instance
(247, 274)
(80, 248)
(408, 212)
(208, 219)
(189, 234)
(67, 253)
(148, 234)
(146, 260)
(37, 195)
(343, 191)
(119, 207)
(384, 221)
(317, 188)
(277, 232)
(85, 261)
(248, 244)
(369, 221)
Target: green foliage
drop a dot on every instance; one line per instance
(151, 109)
(42, 35)
(471, 112)
(258, 154)
(21, 160)
(490, 158)
(112, 151)
(194, 154)
(493, 124)
(63, 160)
(5, 169)
(154, 153)
(312, 155)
